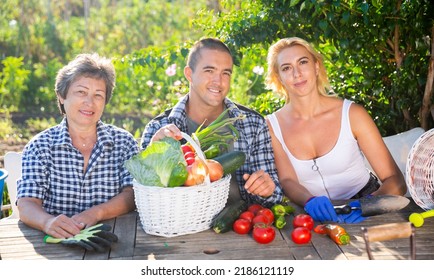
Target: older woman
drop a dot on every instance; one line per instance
(73, 173)
(320, 140)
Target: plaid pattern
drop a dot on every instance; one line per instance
(254, 140)
(53, 169)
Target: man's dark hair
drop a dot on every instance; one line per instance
(207, 43)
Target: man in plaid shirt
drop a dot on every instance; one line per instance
(209, 70)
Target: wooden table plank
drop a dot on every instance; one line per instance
(208, 245)
(17, 241)
(125, 229)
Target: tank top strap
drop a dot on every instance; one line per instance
(345, 119)
(278, 133)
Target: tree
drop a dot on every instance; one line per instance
(46, 34)
(377, 52)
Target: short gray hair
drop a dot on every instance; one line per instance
(85, 65)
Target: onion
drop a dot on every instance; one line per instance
(196, 173)
(215, 170)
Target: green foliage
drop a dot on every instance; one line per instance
(149, 80)
(366, 61)
(6, 201)
(13, 80)
(40, 124)
(6, 128)
(11, 132)
(248, 77)
(267, 103)
(42, 97)
(377, 52)
(53, 32)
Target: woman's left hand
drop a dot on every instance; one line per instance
(354, 217)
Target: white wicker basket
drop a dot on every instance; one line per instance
(419, 173)
(177, 211)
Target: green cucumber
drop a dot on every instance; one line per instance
(226, 218)
(231, 161)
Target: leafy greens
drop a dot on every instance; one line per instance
(161, 164)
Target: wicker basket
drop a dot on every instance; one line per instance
(419, 173)
(178, 211)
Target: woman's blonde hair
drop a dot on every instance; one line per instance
(272, 80)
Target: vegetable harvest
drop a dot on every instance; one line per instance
(167, 163)
(231, 161)
(226, 218)
(217, 135)
(197, 172)
(337, 233)
(161, 164)
(280, 211)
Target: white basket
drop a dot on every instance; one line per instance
(419, 173)
(181, 210)
(177, 211)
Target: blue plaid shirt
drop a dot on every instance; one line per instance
(53, 169)
(254, 140)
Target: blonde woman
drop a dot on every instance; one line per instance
(320, 140)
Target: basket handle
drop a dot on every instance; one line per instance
(199, 152)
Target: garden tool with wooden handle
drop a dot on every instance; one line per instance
(376, 205)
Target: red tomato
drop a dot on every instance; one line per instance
(261, 220)
(254, 208)
(266, 212)
(189, 155)
(303, 220)
(264, 235)
(301, 235)
(247, 215)
(189, 160)
(242, 226)
(186, 148)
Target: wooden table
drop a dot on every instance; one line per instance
(19, 242)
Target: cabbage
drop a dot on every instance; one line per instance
(161, 164)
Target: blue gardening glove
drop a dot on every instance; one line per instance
(321, 209)
(354, 217)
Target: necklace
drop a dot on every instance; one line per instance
(88, 143)
(83, 142)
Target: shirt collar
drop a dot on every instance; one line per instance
(103, 137)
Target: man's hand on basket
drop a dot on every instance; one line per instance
(169, 130)
(96, 238)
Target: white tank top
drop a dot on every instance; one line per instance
(341, 173)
